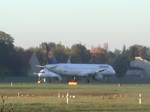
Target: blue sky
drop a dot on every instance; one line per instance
(90, 22)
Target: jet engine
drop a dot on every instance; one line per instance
(98, 76)
(46, 73)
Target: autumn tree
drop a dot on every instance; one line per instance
(99, 55)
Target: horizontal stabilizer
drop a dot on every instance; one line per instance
(39, 66)
(50, 66)
(35, 73)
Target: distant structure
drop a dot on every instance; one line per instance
(97, 50)
(139, 68)
(98, 55)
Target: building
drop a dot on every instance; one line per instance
(139, 68)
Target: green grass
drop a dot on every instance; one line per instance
(88, 98)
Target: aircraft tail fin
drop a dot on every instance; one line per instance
(50, 55)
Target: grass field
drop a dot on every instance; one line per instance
(88, 98)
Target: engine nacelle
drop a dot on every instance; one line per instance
(98, 76)
(47, 73)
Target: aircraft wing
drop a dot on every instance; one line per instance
(88, 73)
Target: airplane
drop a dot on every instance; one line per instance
(54, 69)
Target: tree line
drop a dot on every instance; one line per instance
(14, 61)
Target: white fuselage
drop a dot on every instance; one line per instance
(80, 69)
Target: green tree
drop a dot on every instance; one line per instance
(6, 47)
(7, 53)
(110, 57)
(133, 52)
(121, 65)
(60, 53)
(7, 40)
(13, 60)
(144, 53)
(79, 54)
(121, 62)
(139, 50)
